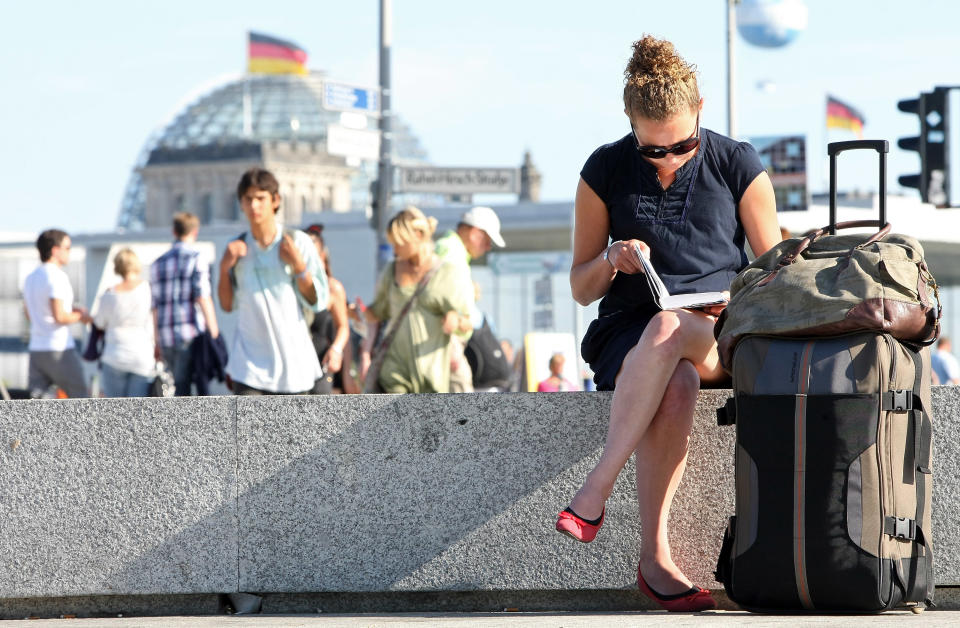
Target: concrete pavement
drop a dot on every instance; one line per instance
(507, 620)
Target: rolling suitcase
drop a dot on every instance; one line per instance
(833, 469)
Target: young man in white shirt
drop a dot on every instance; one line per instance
(266, 277)
(48, 299)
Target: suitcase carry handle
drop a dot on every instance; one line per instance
(835, 148)
(792, 256)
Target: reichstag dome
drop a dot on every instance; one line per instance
(277, 121)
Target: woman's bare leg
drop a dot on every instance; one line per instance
(648, 368)
(660, 459)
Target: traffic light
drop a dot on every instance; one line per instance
(918, 181)
(938, 145)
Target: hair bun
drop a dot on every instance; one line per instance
(658, 83)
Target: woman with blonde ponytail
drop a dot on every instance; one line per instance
(686, 198)
(418, 357)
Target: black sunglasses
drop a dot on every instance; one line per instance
(680, 148)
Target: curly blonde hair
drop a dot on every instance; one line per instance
(658, 84)
(410, 225)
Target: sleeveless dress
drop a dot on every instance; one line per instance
(694, 232)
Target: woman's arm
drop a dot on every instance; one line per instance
(590, 275)
(366, 347)
(758, 213)
(333, 360)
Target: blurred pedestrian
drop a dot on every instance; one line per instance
(48, 301)
(945, 366)
(556, 382)
(182, 301)
(330, 328)
(125, 314)
(423, 301)
(476, 233)
(267, 275)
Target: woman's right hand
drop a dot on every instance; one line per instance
(364, 364)
(622, 255)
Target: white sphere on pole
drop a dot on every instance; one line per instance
(771, 23)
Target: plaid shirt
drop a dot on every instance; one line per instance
(178, 278)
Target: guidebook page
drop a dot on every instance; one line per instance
(665, 300)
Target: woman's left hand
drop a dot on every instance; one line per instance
(451, 320)
(715, 310)
(332, 361)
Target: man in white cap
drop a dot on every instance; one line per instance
(476, 233)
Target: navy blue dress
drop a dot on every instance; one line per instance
(695, 235)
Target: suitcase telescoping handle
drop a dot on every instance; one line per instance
(834, 149)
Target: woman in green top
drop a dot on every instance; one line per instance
(418, 358)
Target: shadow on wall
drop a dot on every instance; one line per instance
(359, 493)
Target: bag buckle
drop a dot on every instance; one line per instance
(902, 528)
(898, 400)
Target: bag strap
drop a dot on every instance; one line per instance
(380, 352)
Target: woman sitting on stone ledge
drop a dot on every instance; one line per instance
(685, 197)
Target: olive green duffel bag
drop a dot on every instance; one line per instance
(825, 285)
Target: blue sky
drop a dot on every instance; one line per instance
(84, 84)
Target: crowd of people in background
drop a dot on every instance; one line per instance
(296, 331)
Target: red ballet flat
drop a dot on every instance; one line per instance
(576, 527)
(692, 601)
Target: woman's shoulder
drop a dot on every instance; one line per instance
(450, 270)
(612, 150)
(725, 149)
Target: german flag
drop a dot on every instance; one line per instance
(269, 55)
(842, 116)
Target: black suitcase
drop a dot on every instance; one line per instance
(833, 473)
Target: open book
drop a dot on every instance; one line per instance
(665, 300)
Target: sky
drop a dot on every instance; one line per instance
(83, 85)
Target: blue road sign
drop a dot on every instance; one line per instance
(343, 97)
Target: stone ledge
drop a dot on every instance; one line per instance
(378, 495)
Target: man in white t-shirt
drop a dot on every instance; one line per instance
(48, 297)
(267, 276)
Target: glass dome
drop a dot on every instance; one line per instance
(255, 108)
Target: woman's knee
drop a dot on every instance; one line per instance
(684, 384)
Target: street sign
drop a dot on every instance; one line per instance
(353, 143)
(460, 180)
(543, 319)
(528, 263)
(344, 97)
(543, 291)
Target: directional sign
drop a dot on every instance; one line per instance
(343, 97)
(460, 180)
(357, 143)
(529, 263)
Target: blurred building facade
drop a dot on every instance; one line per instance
(276, 121)
(785, 158)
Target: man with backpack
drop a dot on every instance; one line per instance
(266, 276)
(476, 233)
